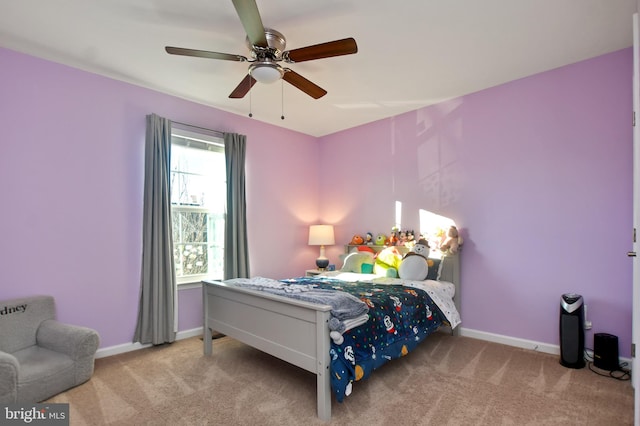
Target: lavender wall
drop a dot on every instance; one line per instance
(537, 172)
(71, 167)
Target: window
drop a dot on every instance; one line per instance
(198, 196)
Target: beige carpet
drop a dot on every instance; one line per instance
(446, 381)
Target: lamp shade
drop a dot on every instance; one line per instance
(321, 235)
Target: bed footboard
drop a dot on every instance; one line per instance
(292, 330)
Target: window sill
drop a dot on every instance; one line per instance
(189, 285)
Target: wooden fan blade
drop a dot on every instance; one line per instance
(243, 88)
(345, 46)
(250, 17)
(303, 84)
(204, 54)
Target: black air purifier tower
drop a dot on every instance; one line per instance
(572, 331)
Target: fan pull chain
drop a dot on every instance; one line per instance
(250, 113)
(282, 83)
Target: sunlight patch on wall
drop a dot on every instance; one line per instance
(434, 227)
(399, 214)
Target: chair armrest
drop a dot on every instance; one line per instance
(8, 378)
(75, 341)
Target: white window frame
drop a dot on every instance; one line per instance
(205, 140)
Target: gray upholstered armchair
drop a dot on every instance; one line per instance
(39, 356)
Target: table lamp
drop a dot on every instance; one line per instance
(321, 235)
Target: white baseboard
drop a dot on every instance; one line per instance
(511, 341)
(523, 343)
(466, 332)
(128, 347)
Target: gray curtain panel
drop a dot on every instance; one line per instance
(236, 251)
(156, 310)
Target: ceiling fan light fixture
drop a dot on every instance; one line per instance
(266, 72)
(267, 47)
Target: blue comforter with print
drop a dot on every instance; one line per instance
(399, 319)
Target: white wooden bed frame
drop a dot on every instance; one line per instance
(289, 329)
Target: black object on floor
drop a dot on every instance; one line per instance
(572, 331)
(605, 351)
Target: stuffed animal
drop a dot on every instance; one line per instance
(411, 240)
(381, 239)
(452, 242)
(402, 238)
(369, 239)
(357, 240)
(360, 262)
(393, 238)
(415, 265)
(364, 248)
(411, 236)
(387, 262)
(421, 248)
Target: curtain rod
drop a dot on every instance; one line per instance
(216, 132)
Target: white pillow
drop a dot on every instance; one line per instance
(354, 261)
(414, 268)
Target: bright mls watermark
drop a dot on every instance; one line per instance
(34, 414)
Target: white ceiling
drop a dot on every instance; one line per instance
(412, 53)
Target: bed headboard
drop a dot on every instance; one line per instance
(451, 272)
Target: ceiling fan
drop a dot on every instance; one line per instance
(267, 50)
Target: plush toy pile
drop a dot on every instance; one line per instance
(389, 262)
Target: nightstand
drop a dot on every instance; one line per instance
(312, 272)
